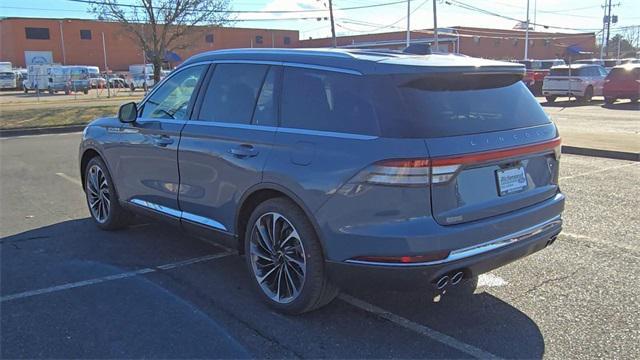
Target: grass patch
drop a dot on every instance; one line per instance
(58, 116)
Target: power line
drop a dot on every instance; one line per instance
(95, 2)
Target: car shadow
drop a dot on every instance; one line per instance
(481, 320)
(571, 103)
(210, 300)
(625, 105)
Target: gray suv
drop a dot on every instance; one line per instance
(336, 168)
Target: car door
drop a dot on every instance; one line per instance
(146, 165)
(224, 146)
(601, 74)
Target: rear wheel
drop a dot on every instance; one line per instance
(85, 91)
(101, 197)
(285, 258)
(550, 99)
(635, 99)
(609, 100)
(588, 94)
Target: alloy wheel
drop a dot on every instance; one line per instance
(277, 257)
(98, 194)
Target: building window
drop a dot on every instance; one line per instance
(37, 33)
(209, 38)
(287, 40)
(85, 34)
(258, 39)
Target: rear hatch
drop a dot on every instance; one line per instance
(492, 148)
(623, 79)
(562, 78)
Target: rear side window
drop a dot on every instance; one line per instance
(438, 107)
(232, 93)
(327, 101)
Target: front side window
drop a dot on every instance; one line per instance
(328, 101)
(171, 100)
(232, 93)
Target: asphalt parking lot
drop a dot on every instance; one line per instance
(68, 289)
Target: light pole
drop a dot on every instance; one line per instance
(106, 67)
(435, 23)
(64, 55)
(526, 36)
(408, 22)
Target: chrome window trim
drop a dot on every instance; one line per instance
(289, 64)
(467, 252)
(319, 52)
(183, 215)
(283, 130)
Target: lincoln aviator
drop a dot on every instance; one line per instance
(332, 168)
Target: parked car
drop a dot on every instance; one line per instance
(69, 79)
(329, 168)
(623, 82)
(580, 80)
(141, 81)
(117, 82)
(537, 70)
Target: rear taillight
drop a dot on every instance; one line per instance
(421, 172)
(434, 256)
(405, 172)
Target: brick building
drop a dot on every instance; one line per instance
(79, 42)
(477, 42)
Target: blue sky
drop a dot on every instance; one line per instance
(576, 14)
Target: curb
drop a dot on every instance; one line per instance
(571, 150)
(42, 131)
(608, 154)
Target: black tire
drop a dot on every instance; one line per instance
(316, 289)
(588, 95)
(117, 217)
(132, 87)
(551, 99)
(26, 91)
(634, 100)
(85, 91)
(51, 91)
(609, 100)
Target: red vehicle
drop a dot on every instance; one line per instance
(623, 82)
(536, 72)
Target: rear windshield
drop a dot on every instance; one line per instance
(462, 106)
(622, 73)
(585, 71)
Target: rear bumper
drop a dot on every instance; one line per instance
(472, 261)
(622, 94)
(561, 92)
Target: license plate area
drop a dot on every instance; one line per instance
(511, 180)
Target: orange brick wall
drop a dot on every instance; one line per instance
(121, 49)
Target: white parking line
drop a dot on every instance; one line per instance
(490, 280)
(70, 178)
(418, 328)
(597, 171)
(111, 277)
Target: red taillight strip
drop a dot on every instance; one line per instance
(496, 154)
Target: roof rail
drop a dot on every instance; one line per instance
(276, 51)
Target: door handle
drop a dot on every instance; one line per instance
(162, 140)
(244, 151)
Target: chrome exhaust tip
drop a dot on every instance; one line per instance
(442, 282)
(455, 279)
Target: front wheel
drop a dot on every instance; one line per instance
(588, 94)
(550, 99)
(609, 100)
(101, 197)
(285, 258)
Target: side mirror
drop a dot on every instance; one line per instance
(128, 112)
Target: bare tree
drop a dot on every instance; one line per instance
(162, 26)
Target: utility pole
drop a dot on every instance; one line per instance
(608, 27)
(333, 27)
(408, 22)
(535, 13)
(526, 36)
(64, 55)
(435, 23)
(604, 24)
